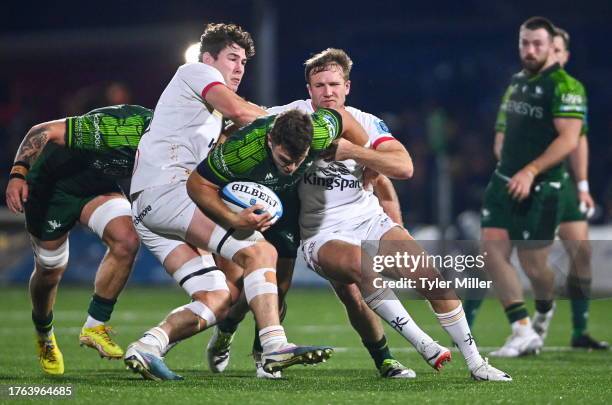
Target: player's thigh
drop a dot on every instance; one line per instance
(496, 243)
(339, 260)
(110, 217)
(168, 210)
(574, 231)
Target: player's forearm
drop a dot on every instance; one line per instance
(232, 106)
(384, 190)
(498, 144)
(579, 160)
(396, 164)
(206, 197)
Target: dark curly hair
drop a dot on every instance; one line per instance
(217, 36)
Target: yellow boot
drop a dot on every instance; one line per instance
(49, 354)
(98, 338)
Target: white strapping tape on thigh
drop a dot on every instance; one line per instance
(52, 259)
(227, 242)
(200, 274)
(116, 207)
(256, 284)
(201, 310)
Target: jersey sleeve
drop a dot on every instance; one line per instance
(569, 100)
(108, 130)
(500, 122)
(200, 78)
(377, 130)
(327, 126)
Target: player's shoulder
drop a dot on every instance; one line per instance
(368, 121)
(302, 105)
(195, 68)
(565, 81)
(123, 111)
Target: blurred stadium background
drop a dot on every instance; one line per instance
(434, 71)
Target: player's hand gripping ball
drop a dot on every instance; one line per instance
(239, 195)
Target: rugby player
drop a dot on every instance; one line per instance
(542, 112)
(186, 125)
(57, 187)
(573, 230)
(332, 224)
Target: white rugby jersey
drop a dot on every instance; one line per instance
(183, 129)
(332, 193)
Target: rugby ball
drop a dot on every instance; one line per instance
(239, 195)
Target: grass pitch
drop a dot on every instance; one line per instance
(315, 317)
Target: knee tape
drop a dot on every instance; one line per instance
(200, 274)
(227, 242)
(260, 281)
(202, 311)
(51, 259)
(116, 207)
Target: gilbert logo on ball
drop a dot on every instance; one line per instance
(243, 194)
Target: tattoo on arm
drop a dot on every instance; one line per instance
(32, 144)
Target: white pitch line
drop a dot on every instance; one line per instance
(481, 348)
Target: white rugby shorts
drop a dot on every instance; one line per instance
(369, 232)
(161, 216)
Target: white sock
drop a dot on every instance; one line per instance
(386, 305)
(157, 338)
(272, 337)
(92, 322)
(521, 326)
(455, 324)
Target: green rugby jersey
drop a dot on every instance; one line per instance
(245, 155)
(528, 108)
(108, 137)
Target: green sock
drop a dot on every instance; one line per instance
(516, 312)
(579, 290)
(471, 307)
(379, 351)
(101, 308)
(43, 325)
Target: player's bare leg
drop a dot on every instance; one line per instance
(51, 259)
(523, 340)
(211, 300)
(367, 324)
(341, 262)
(108, 216)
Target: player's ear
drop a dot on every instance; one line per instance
(308, 88)
(347, 84)
(207, 58)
